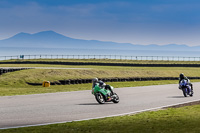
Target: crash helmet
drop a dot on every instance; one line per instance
(95, 80)
(181, 76)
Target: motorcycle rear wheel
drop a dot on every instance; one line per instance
(191, 94)
(116, 99)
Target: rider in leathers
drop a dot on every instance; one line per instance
(181, 77)
(101, 84)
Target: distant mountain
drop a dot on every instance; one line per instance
(51, 39)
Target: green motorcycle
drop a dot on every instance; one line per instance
(103, 95)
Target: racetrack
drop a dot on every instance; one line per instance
(41, 109)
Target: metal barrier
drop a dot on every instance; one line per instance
(117, 57)
(9, 57)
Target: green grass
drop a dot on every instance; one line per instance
(39, 75)
(173, 120)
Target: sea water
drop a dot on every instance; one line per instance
(97, 53)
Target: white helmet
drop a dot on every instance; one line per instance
(95, 80)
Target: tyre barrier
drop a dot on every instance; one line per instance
(6, 70)
(102, 64)
(85, 81)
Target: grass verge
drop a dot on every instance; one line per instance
(173, 120)
(40, 75)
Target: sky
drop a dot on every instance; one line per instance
(125, 21)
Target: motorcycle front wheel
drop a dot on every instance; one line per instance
(99, 97)
(184, 92)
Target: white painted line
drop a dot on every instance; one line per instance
(135, 112)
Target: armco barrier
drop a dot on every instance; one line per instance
(102, 64)
(103, 57)
(84, 81)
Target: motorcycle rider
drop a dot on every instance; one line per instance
(94, 82)
(101, 85)
(181, 77)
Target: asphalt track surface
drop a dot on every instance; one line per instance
(42, 109)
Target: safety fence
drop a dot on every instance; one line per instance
(9, 57)
(85, 81)
(117, 57)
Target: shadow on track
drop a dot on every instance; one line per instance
(176, 97)
(95, 103)
(88, 104)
